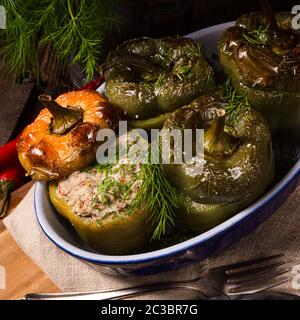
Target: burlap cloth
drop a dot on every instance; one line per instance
(280, 233)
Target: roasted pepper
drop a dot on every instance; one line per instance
(147, 77)
(237, 164)
(62, 138)
(261, 55)
(109, 228)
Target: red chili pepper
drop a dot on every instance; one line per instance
(10, 178)
(14, 174)
(94, 84)
(8, 154)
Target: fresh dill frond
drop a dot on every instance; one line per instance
(257, 37)
(80, 33)
(73, 28)
(158, 197)
(236, 102)
(18, 40)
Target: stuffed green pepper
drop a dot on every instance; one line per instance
(261, 56)
(97, 202)
(147, 78)
(236, 165)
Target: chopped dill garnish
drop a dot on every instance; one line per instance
(210, 76)
(104, 167)
(184, 72)
(160, 80)
(257, 37)
(198, 49)
(236, 102)
(129, 186)
(112, 187)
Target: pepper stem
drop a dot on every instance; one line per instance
(63, 119)
(217, 142)
(269, 17)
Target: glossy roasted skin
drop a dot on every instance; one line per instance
(236, 168)
(47, 156)
(124, 234)
(266, 68)
(147, 77)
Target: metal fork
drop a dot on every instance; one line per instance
(243, 278)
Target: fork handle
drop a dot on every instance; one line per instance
(112, 294)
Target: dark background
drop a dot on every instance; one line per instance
(170, 17)
(155, 18)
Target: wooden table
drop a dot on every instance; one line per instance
(22, 274)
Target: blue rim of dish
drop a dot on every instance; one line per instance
(177, 248)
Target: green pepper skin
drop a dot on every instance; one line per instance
(238, 162)
(268, 74)
(151, 123)
(146, 77)
(200, 217)
(125, 234)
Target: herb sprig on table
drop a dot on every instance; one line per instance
(73, 28)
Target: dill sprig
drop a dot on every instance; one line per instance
(74, 28)
(158, 197)
(236, 102)
(18, 40)
(257, 37)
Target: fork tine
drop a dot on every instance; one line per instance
(266, 286)
(259, 285)
(247, 264)
(260, 277)
(254, 273)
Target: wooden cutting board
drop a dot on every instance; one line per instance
(22, 274)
